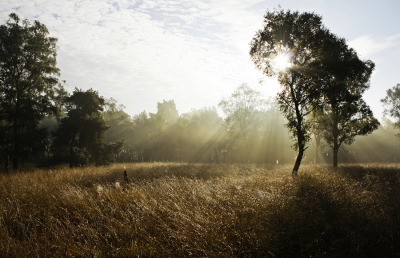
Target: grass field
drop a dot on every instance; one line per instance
(181, 210)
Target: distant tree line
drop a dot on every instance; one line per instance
(253, 131)
(319, 109)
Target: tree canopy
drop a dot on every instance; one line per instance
(242, 110)
(321, 72)
(343, 78)
(296, 36)
(80, 136)
(28, 74)
(391, 103)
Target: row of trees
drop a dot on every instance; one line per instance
(322, 81)
(253, 131)
(28, 76)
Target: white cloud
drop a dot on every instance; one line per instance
(195, 52)
(368, 45)
(141, 52)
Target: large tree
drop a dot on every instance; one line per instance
(80, 136)
(342, 122)
(286, 48)
(342, 78)
(27, 76)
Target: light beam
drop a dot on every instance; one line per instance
(281, 61)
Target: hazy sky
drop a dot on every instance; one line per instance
(195, 51)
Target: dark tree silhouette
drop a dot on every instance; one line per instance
(343, 78)
(80, 136)
(296, 36)
(27, 77)
(60, 95)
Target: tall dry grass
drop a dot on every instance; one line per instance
(181, 210)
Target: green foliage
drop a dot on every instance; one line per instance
(344, 124)
(297, 36)
(344, 78)
(324, 73)
(391, 104)
(167, 110)
(198, 136)
(110, 152)
(27, 77)
(59, 101)
(80, 136)
(243, 110)
(120, 123)
(165, 136)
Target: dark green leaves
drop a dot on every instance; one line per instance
(27, 76)
(80, 136)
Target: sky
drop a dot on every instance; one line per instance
(196, 52)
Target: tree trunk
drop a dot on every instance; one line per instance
(71, 151)
(317, 148)
(6, 162)
(335, 147)
(300, 142)
(298, 162)
(15, 164)
(16, 143)
(335, 153)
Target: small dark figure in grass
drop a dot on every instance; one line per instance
(126, 179)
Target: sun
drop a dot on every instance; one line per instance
(281, 61)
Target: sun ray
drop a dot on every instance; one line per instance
(281, 61)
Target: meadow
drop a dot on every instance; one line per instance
(201, 210)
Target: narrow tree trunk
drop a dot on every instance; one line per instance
(335, 147)
(71, 151)
(300, 142)
(299, 155)
(15, 143)
(298, 162)
(317, 147)
(15, 164)
(300, 134)
(6, 162)
(335, 137)
(335, 153)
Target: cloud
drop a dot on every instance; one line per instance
(141, 52)
(368, 45)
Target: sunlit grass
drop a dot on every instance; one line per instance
(175, 210)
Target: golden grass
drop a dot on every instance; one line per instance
(182, 210)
